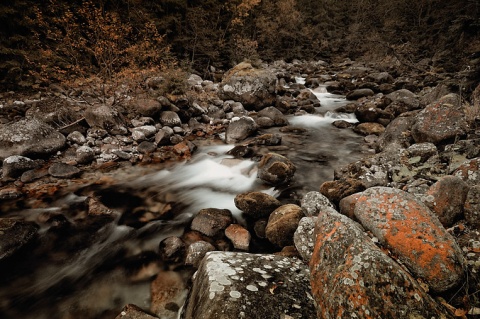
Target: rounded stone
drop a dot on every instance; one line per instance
(282, 224)
(275, 169)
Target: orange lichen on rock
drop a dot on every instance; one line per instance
(408, 228)
(351, 275)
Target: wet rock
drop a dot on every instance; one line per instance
(84, 154)
(406, 226)
(469, 171)
(398, 132)
(336, 190)
(265, 139)
(446, 199)
(359, 93)
(212, 221)
(304, 237)
(239, 236)
(33, 174)
(233, 285)
(403, 101)
(15, 234)
(275, 169)
(172, 249)
(133, 312)
(62, 170)
(30, 138)
(342, 124)
(351, 275)
(97, 208)
(10, 193)
(76, 138)
(472, 206)
(254, 88)
(275, 115)
(239, 129)
(196, 252)
(146, 107)
(313, 202)
(15, 165)
(282, 224)
(105, 117)
(440, 121)
(369, 128)
(168, 293)
(256, 205)
(170, 118)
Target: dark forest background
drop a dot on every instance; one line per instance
(44, 42)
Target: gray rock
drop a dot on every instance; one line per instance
(398, 132)
(146, 107)
(76, 138)
(304, 237)
(313, 202)
(254, 88)
(239, 129)
(472, 206)
(105, 117)
(275, 115)
(31, 138)
(469, 171)
(62, 170)
(170, 118)
(85, 154)
(15, 234)
(231, 285)
(15, 165)
(440, 121)
(402, 101)
(446, 199)
(359, 93)
(212, 221)
(146, 147)
(196, 252)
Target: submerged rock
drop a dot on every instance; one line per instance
(231, 285)
(275, 169)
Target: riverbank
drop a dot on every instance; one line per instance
(419, 137)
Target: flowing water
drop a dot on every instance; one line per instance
(91, 270)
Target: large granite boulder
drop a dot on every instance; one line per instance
(231, 285)
(414, 234)
(254, 88)
(351, 275)
(30, 138)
